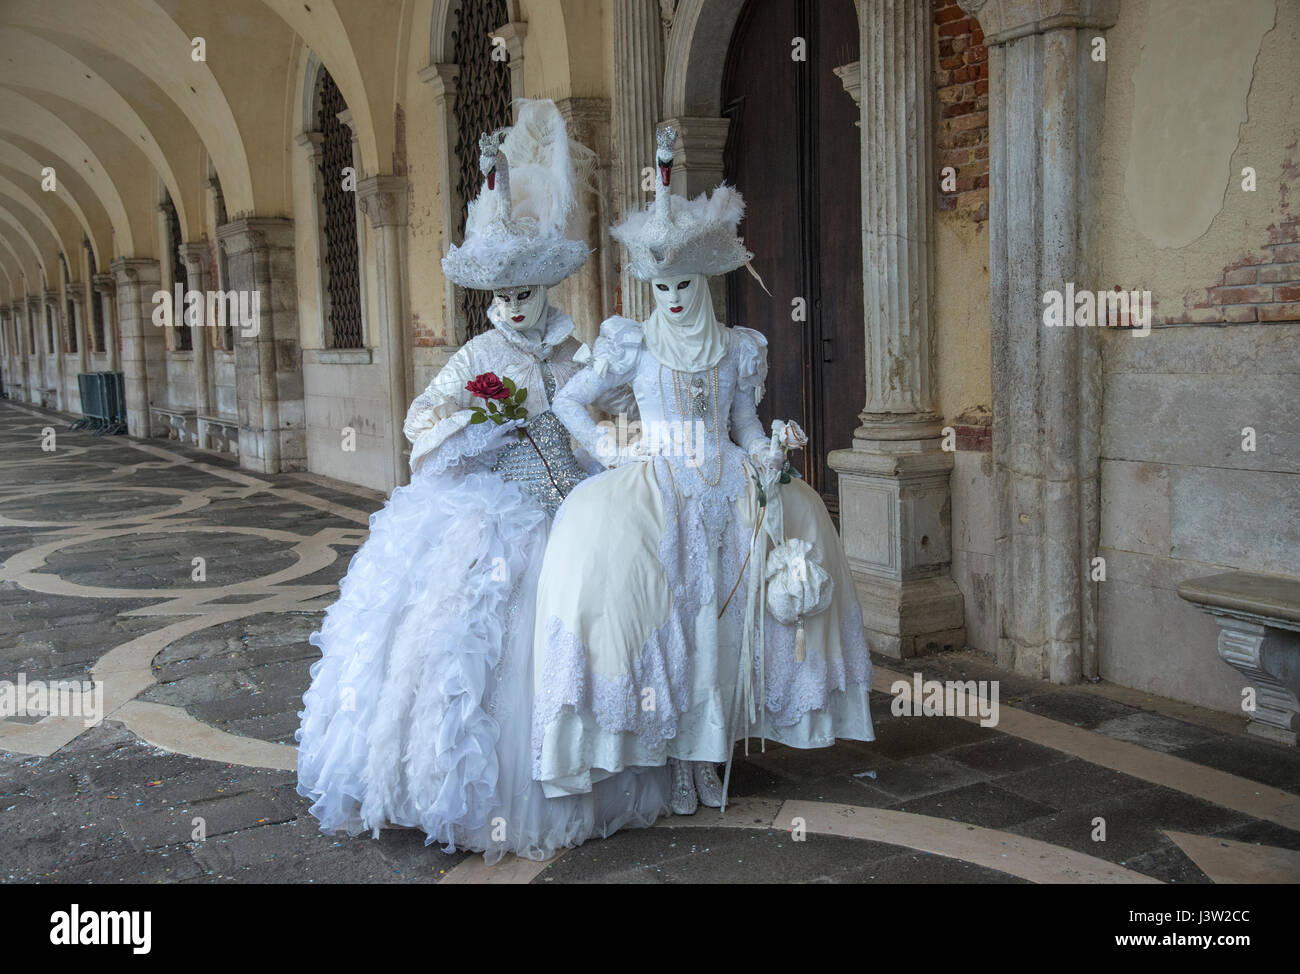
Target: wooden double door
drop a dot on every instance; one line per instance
(793, 151)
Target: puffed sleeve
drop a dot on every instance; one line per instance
(438, 420)
(610, 364)
(751, 359)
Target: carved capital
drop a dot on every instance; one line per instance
(135, 270)
(442, 78)
(587, 120)
(194, 254)
(383, 200)
(311, 141)
(255, 234)
(1005, 20)
(513, 33)
(850, 76)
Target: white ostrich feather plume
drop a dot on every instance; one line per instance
(529, 229)
(698, 236)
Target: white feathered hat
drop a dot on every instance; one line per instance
(526, 225)
(674, 235)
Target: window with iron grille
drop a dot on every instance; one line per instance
(50, 313)
(69, 307)
(340, 258)
(184, 334)
(98, 343)
(96, 315)
(482, 104)
(226, 340)
(72, 327)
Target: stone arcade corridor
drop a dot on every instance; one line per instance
(203, 679)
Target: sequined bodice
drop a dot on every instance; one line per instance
(519, 461)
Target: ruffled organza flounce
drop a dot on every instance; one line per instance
(419, 710)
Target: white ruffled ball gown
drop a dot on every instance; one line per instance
(420, 708)
(637, 660)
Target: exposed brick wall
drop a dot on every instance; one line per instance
(974, 429)
(962, 80)
(422, 336)
(1263, 286)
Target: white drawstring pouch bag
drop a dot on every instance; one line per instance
(797, 586)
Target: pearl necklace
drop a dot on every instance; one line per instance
(689, 397)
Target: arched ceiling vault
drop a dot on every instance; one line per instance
(36, 62)
(26, 122)
(113, 99)
(141, 33)
(13, 284)
(70, 191)
(125, 166)
(22, 271)
(66, 232)
(336, 38)
(35, 263)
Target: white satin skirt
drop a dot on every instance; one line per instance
(639, 645)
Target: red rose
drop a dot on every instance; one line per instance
(488, 386)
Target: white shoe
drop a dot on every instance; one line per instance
(707, 783)
(684, 800)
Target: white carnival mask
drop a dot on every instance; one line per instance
(679, 298)
(519, 308)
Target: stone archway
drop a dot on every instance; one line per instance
(696, 56)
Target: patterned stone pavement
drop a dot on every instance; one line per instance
(190, 776)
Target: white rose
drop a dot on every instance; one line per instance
(788, 435)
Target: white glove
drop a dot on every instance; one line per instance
(769, 457)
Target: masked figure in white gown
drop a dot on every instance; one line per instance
(419, 710)
(647, 603)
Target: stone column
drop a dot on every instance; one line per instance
(698, 168)
(513, 34)
(195, 256)
(896, 510)
(105, 289)
(79, 324)
(268, 354)
(383, 200)
(18, 360)
(9, 358)
(142, 343)
(589, 295)
(442, 78)
(36, 359)
(698, 153)
(638, 102)
(54, 308)
(1045, 115)
(18, 315)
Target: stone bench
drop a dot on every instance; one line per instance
(1259, 636)
(181, 424)
(220, 434)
